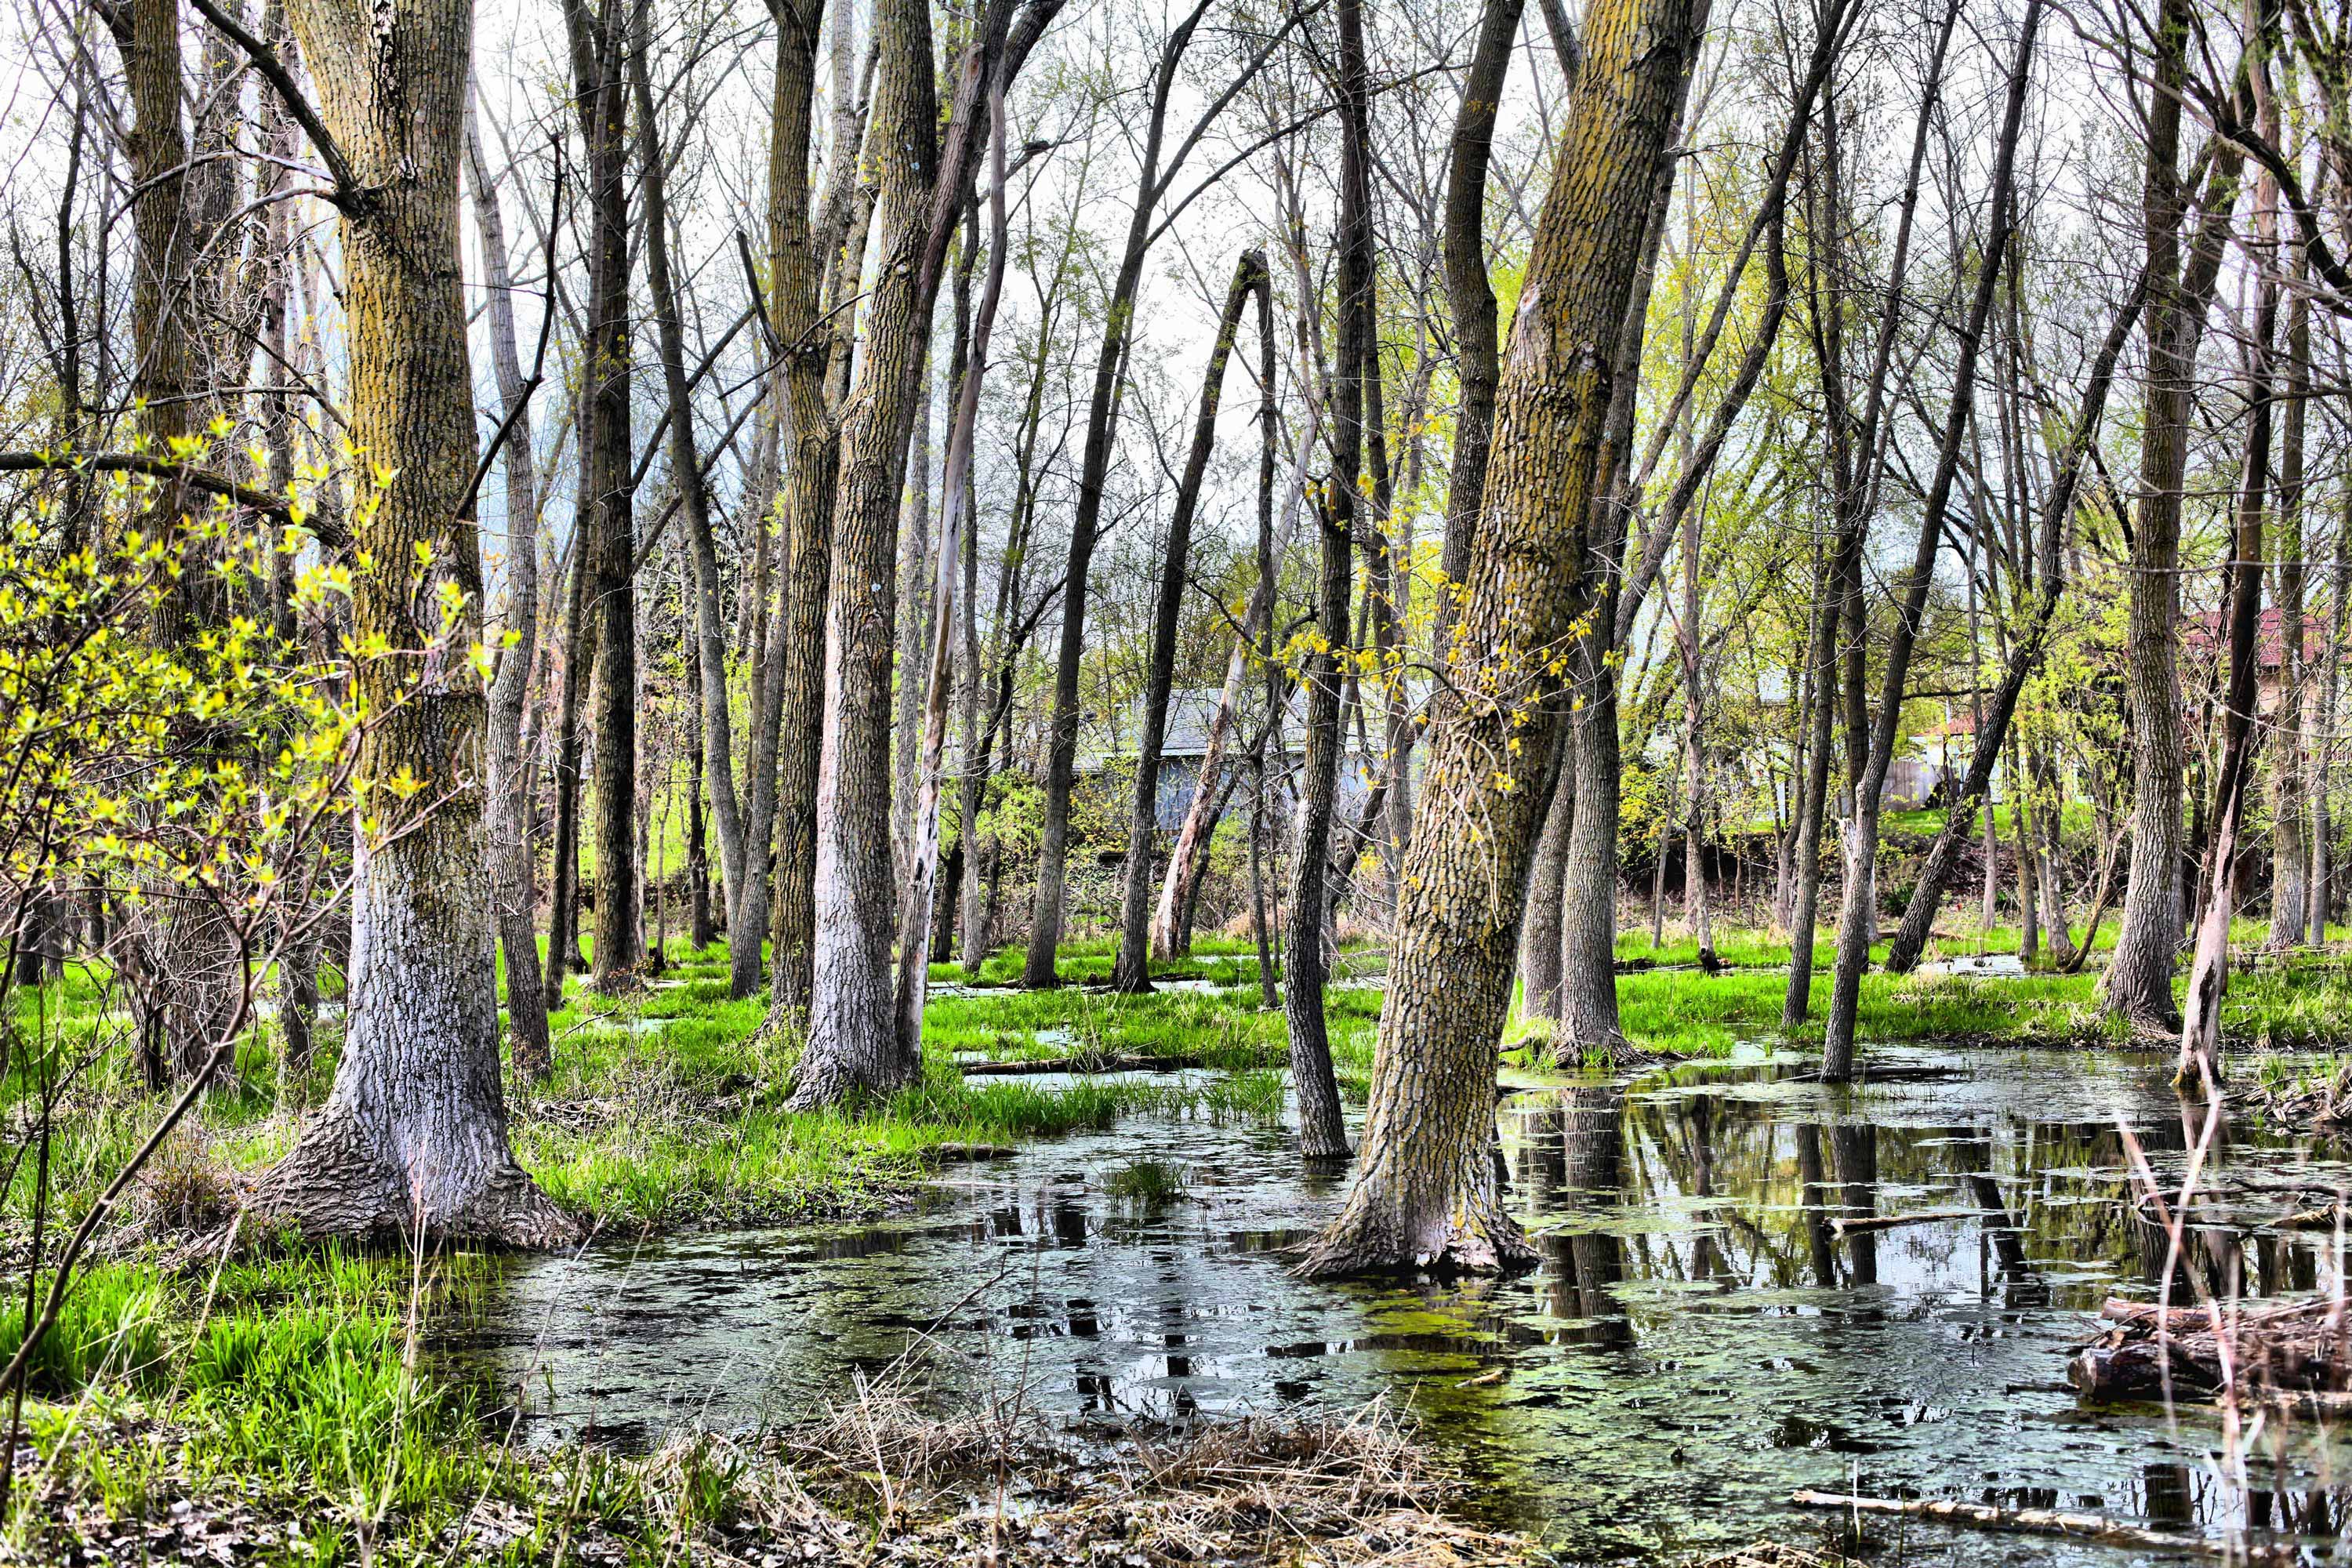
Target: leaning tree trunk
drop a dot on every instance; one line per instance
(1131, 972)
(414, 1137)
(1992, 728)
(1858, 913)
(1425, 1193)
(510, 806)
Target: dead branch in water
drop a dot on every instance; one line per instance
(2035, 1521)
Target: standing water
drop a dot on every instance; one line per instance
(1703, 1336)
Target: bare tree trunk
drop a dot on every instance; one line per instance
(1188, 862)
(563, 896)
(2137, 987)
(1858, 915)
(600, 42)
(2208, 972)
(2323, 830)
(799, 258)
(1322, 1134)
(854, 1043)
(1425, 1193)
(1541, 927)
(2290, 850)
(955, 490)
(716, 721)
(916, 572)
(1132, 971)
(510, 783)
(414, 1137)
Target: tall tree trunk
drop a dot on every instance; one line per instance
(1322, 1135)
(2323, 830)
(563, 895)
(2290, 850)
(917, 571)
(2208, 972)
(977, 325)
(716, 721)
(1132, 970)
(414, 1137)
(2137, 987)
(854, 1043)
(509, 810)
(600, 41)
(1425, 1193)
(799, 255)
(1858, 913)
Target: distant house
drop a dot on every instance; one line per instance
(2205, 642)
(1185, 747)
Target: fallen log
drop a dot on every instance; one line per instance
(2091, 1527)
(2199, 1352)
(1076, 1065)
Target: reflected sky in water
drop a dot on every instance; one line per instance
(1702, 1337)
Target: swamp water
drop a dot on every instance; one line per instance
(1701, 1339)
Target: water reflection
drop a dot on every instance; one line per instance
(1738, 1295)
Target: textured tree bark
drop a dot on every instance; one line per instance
(1470, 296)
(975, 327)
(798, 255)
(2137, 987)
(716, 721)
(1992, 726)
(1589, 1024)
(2323, 831)
(414, 1137)
(1858, 913)
(917, 571)
(1322, 1134)
(1426, 1194)
(1131, 972)
(510, 782)
(600, 42)
(563, 895)
(853, 1040)
(1542, 930)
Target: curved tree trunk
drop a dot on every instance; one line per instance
(1131, 972)
(1425, 1193)
(414, 1136)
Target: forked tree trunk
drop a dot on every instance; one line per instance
(1426, 1194)
(1131, 972)
(414, 1136)
(2137, 987)
(509, 810)
(853, 1039)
